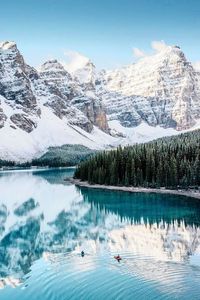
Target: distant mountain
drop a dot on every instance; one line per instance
(162, 89)
(154, 97)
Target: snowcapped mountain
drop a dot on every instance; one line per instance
(157, 96)
(162, 89)
(45, 108)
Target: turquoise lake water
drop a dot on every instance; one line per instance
(45, 222)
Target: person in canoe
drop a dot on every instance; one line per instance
(118, 258)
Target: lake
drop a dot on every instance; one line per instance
(45, 223)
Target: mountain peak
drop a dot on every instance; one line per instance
(173, 49)
(5, 45)
(53, 65)
(76, 61)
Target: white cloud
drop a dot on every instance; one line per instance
(138, 52)
(196, 65)
(75, 61)
(158, 45)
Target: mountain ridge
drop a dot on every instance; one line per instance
(51, 107)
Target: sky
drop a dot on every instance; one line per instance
(111, 33)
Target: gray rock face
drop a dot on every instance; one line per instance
(2, 118)
(75, 97)
(93, 109)
(62, 89)
(25, 90)
(54, 88)
(23, 122)
(162, 89)
(54, 74)
(15, 86)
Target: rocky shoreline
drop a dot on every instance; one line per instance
(193, 194)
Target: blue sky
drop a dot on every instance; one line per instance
(104, 30)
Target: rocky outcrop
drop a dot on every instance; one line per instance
(93, 109)
(2, 118)
(23, 122)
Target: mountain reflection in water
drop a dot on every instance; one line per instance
(43, 217)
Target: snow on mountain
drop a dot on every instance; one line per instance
(86, 75)
(51, 131)
(75, 61)
(81, 68)
(45, 108)
(196, 66)
(162, 89)
(16, 89)
(74, 104)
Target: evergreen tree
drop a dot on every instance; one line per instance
(171, 162)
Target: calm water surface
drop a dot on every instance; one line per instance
(46, 222)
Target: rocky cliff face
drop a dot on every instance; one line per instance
(75, 94)
(16, 89)
(162, 89)
(25, 90)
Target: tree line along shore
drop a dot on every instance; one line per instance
(172, 162)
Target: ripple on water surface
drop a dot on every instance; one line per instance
(66, 276)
